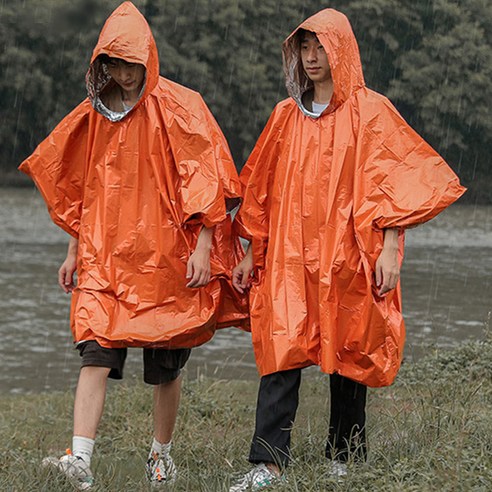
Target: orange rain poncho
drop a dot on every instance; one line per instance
(135, 191)
(318, 194)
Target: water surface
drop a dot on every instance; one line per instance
(446, 282)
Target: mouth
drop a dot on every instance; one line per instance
(313, 69)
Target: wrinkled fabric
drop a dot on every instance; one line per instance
(136, 193)
(318, 194)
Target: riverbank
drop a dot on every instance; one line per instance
(431, 430)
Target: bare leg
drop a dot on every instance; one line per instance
(89, 400)
(166, 403)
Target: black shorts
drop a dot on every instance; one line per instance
(160, 365)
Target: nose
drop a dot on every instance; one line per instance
(312, 54)
(125, 73)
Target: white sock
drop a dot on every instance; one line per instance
(159, 448)
(83, 447)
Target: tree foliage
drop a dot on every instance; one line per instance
(433, 58)
(444, 84)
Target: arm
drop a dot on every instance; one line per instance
(198, 270)
(68, 267)
(387, 267)
(242, 272)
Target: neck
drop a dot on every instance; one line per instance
(323, 91)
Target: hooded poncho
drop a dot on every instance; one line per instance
(135, 190)
(318, 194)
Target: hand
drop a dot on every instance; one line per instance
(387, 270)
(241, 275)
(198, 268)
(68, 267)
(66, 273)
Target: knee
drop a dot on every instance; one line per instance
(94, 372)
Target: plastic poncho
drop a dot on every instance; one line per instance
(135, 190)
(318, 194)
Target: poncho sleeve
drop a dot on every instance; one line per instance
(252, 220)
(57, 166)
(400, 181)
(208, 182)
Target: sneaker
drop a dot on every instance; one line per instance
(161, 470)
(337, 470)
(74, 468)
(259, 478)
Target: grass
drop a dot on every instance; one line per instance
(432, 430)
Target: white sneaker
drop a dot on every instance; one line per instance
(74, 468)
(337, 470)
(259, 478)
(161, 470)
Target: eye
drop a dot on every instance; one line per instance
(131, 65)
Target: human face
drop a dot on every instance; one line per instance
(314, 59)
(129, 76)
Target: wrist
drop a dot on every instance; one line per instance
(71, 258)
(73, 246)
(249, 252)
(390, 247)
(390, 242)
(72, 252)
(248, 261)
(204, 248)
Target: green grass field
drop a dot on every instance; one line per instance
(432, 430)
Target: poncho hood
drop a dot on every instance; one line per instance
(335, 34)
(126, 35)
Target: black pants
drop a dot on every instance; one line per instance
(278, 399)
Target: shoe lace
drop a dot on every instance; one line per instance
(159, 467)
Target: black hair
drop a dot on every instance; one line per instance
(300, 34)
(104, 58)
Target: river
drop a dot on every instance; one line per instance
(446, 283)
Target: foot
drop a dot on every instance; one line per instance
(74, 468)
(337, 470)
(161, 470)
(259, 478)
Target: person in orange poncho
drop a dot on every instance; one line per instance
(141, 177)
(333, 181)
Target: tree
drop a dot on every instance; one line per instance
(445, 85)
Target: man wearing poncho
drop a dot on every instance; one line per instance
(140, 175)
(333, 181)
